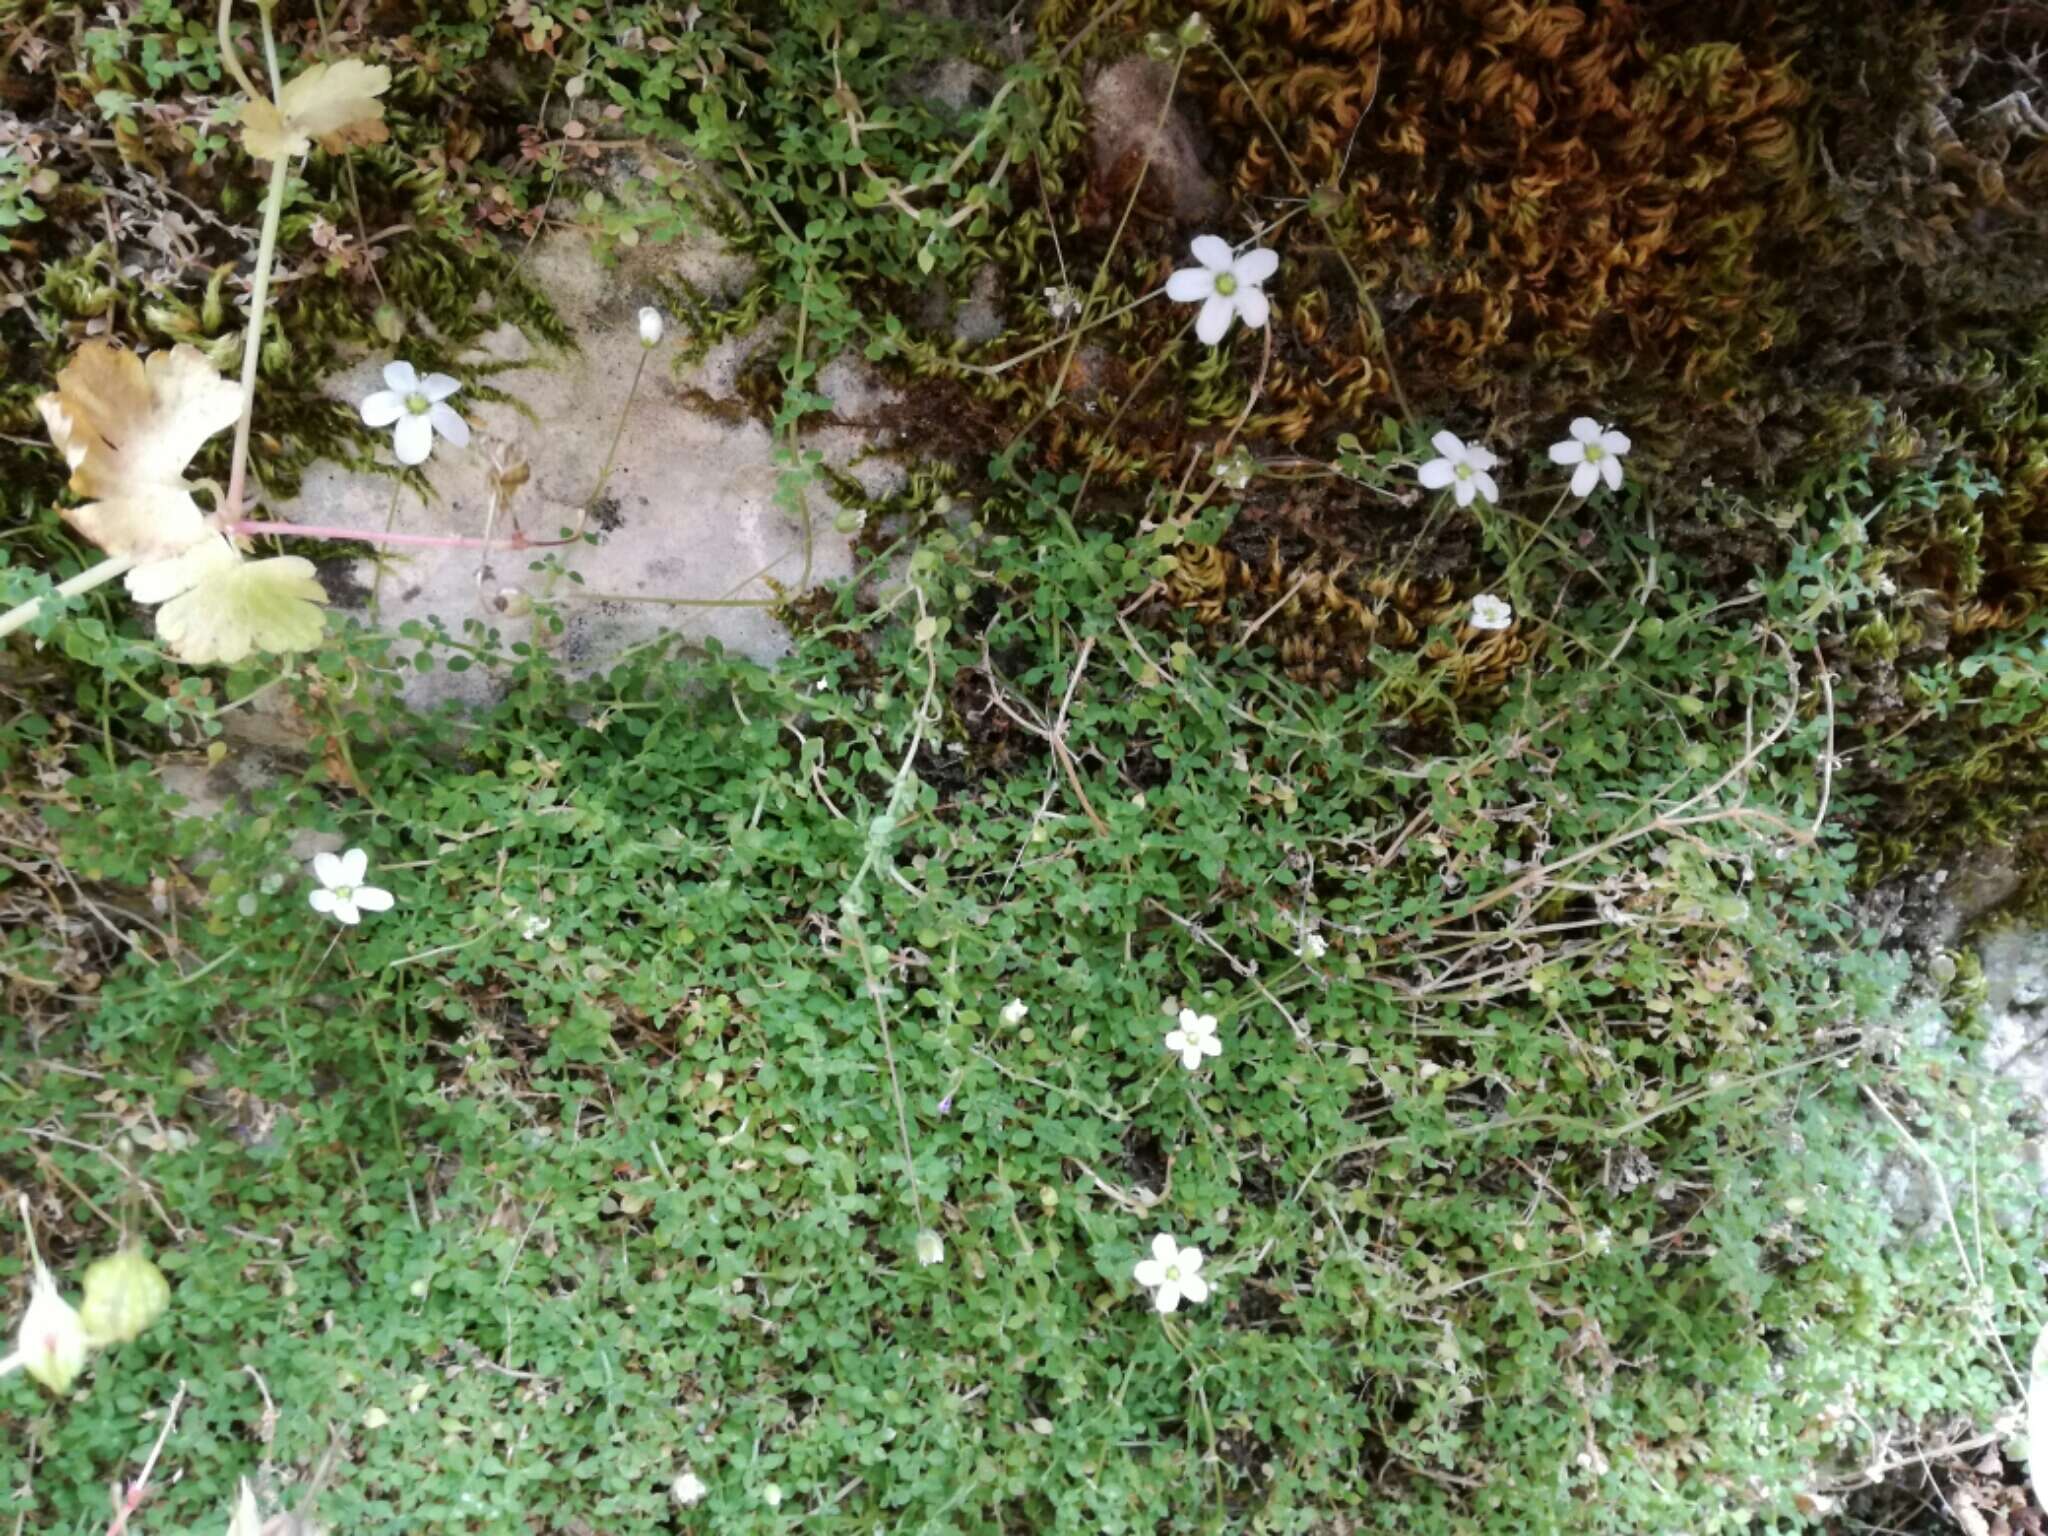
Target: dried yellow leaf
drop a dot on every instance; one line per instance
(333, 105)
(128, 429)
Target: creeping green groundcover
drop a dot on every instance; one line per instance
(1311, 943)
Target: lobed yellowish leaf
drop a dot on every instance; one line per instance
(236, 610)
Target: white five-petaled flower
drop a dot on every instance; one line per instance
(1172, 1273)
(1314, 946)
(1015, 1011)
(1490, 612)
(419, 408)
(1194, 1036)
(650, 326)
(342, 894)
(1466, 469)
(1597, 451)
(688, 1488)
(1226, 285)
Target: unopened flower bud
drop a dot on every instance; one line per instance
(650, 326)
(51, 1342)
(931, 1248)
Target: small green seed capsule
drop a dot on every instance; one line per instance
(124, 1294)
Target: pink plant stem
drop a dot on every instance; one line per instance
(250, 527)
(132, 1499)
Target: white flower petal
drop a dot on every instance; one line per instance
(1616, 442)
(1194, 1287)
(1463, 492)
(346, 911)
(321, 898)
(1189, 1019)
(450, 425)
(1490, 612)
(354, 865)
(1585, 429)
(1208, 1045)
(1191, 285)
(1584, 478)
(1148, 1273)
(1165, 1249)
(373, 898)
(383, 408)
(1190, 1261)
(1166, 1298)
(1251, 307)
(1486, 487)
(413, 440)
(1481, 458)
(438, 386)
(1570, 451)
(1256, 266)
(1449, 444)
(1214, 322)
(1437, 474)
(401, 378)
(1610, 470)
(1213, 252)
(1191, 1058)
(327, 868)
(51, 1343)
(1176, 1039)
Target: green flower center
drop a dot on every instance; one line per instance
(344, 893)
(1595, 453)
(1226, 283)
(418, 404)
(1173, 1273)
(1463, 471)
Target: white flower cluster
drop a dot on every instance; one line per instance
(1172, 1274)
(1466, 469)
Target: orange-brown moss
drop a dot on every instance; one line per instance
(1531, 182)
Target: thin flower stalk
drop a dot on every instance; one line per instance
(259, 295)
